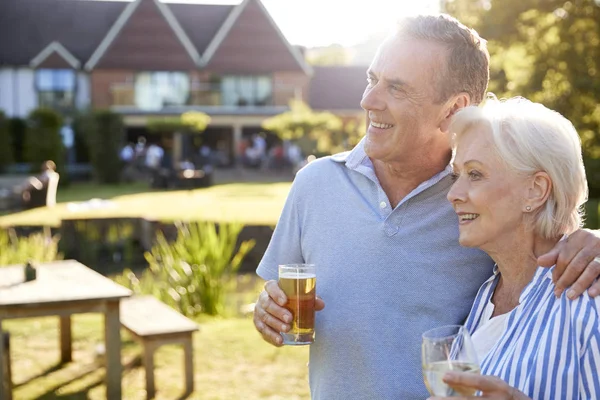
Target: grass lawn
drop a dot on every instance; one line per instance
(247, 203)
(230, 359)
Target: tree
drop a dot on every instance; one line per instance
(305, 126)
(104, 131)
(6, 148)
(334, 54)
(549, 52)
(42, 139)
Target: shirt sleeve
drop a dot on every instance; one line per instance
(285, 245)
(589, 382)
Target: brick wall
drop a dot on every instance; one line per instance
(284, 85)
(103, 80)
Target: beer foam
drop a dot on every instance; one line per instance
(296, 275)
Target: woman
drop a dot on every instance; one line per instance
(520, 185)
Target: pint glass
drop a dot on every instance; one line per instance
(298, 282)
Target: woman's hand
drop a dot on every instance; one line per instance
(491, 387)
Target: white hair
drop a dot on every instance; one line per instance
(530, 138)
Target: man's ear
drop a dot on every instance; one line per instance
(453, 105)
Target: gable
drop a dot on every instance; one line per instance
(27, 27)
(252, 44)
(145, 41)
(54, 61)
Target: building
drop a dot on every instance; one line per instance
(146, 58)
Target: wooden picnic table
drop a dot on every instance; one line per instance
(63, 288)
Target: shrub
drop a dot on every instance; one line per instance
(6, 149)
(36, 247)
(192, 274)
(42, 140)
(17, 128)
(81, 142)
(104, 131)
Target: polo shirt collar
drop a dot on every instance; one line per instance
(356, 158)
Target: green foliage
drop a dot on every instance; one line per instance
(343, 139)
(334, 54)
(42, 140)
(304, 125)
(592, 214)
(36, 247)
(81, 141)
(6, 148)
(17, 128)
(189, 122)
(104, 131)
(549, 52)
(193, 273)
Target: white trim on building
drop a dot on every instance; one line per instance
(55, 47)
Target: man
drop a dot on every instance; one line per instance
(377, 224)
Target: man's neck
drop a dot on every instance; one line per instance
(400, 178)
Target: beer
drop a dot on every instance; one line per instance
(299, 285)
(433, 375)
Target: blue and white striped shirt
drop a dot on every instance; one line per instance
(550, 347)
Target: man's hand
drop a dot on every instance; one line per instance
(270, 316)
(577, 262)
(491, 387)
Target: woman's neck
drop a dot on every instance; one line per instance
(516, 259)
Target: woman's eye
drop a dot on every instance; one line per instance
(474, 175)
(454, 176)
(371, 81)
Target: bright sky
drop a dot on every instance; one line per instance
(323, 22)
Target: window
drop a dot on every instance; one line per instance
(246, 90)
(155, 90)
(56, 88)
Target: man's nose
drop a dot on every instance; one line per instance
(372, 99)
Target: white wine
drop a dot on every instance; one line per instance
(433, 375)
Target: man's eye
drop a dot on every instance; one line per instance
(371, 81)
(454, 176)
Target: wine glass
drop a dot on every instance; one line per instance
(448, 348)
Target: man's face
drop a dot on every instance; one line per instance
(400, 100)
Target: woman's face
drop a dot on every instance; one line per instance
(487, 196)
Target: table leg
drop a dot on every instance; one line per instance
(65, 339)
(188, 357)
(112, 338)
(3, 386)
(5, 373)
(148, 359)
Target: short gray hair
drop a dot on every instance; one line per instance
(467, 64)
(530, 138)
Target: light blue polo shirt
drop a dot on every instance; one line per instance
(386, 276)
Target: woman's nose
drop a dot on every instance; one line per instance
(456, 192)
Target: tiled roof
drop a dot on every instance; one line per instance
(28, 26)
(200, 21)
(337, 87)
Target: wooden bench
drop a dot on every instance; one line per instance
(154, 324)
(6, 380)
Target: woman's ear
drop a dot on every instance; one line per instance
(538, 191)
(455, 104)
